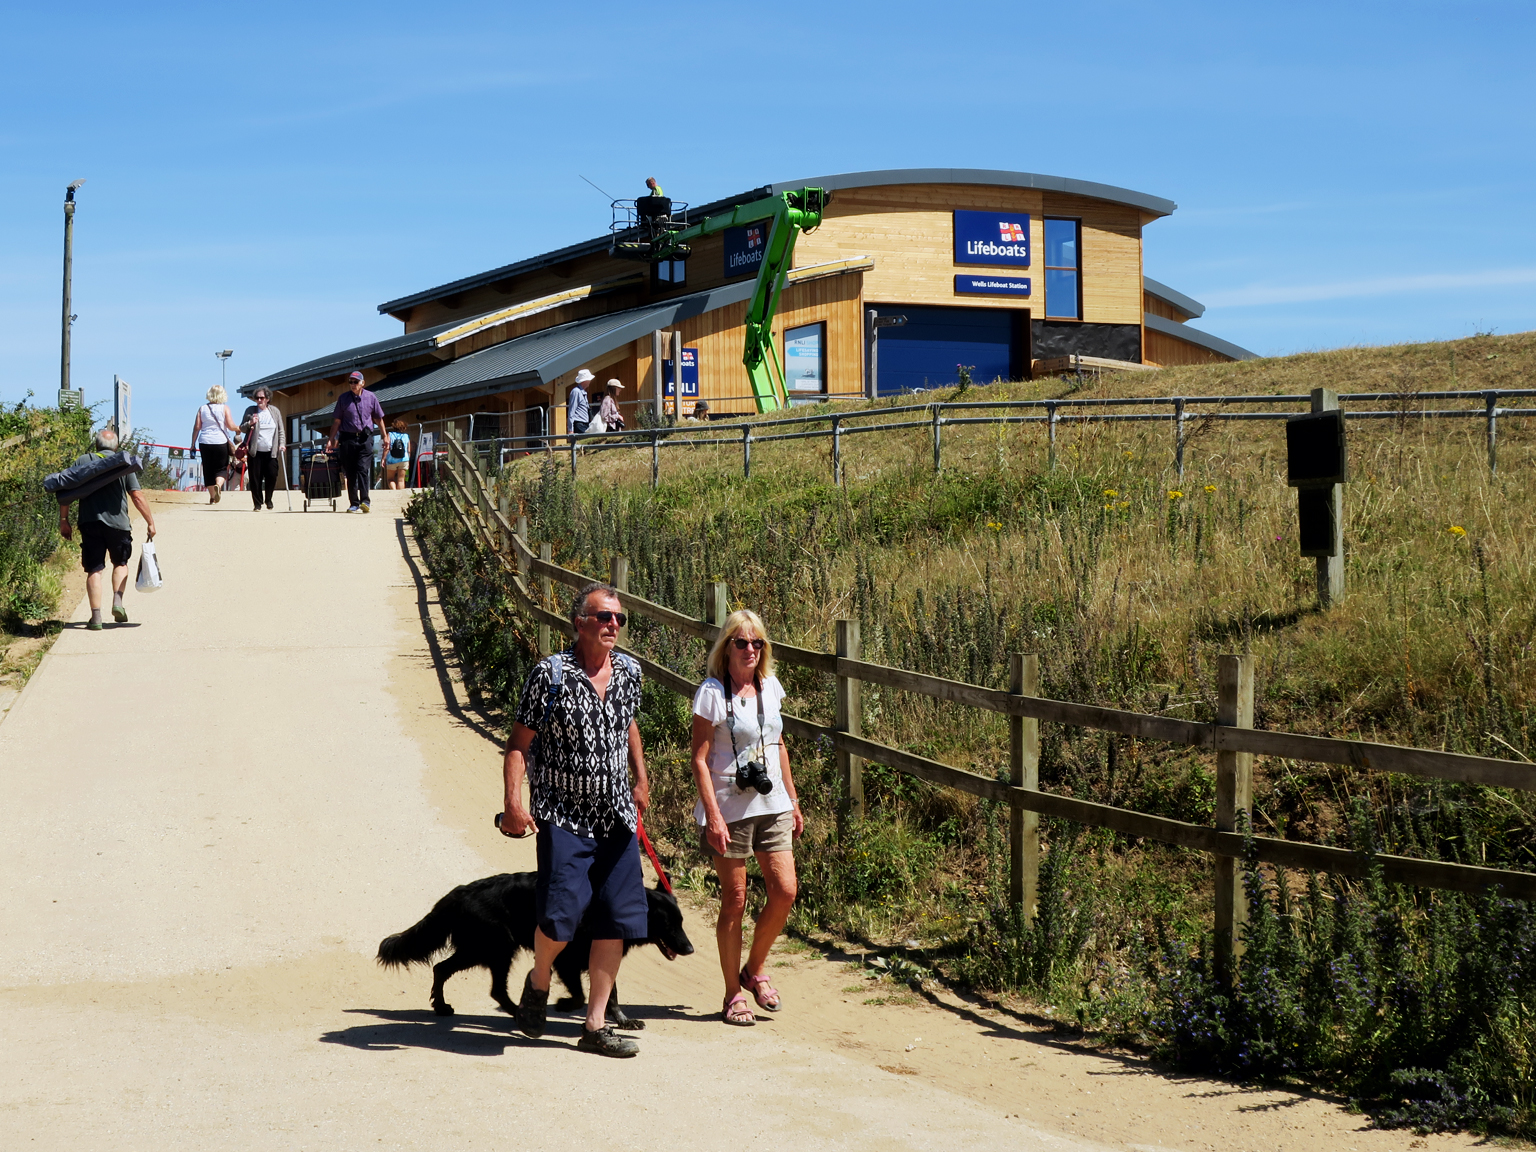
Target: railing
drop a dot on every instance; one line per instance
(1232, 737)
(935, 416)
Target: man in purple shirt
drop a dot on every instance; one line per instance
(356, 413)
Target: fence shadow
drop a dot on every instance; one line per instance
(476, 717)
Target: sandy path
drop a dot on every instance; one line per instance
(217, 812)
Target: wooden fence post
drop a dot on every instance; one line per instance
(547, 587)
(848, 719)
(717, 603)
(1234, 794)
(1024, 772)
(1178, 435)
(1330, 569)
(618, 576)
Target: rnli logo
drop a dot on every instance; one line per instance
(1010, 233)
(755, 237)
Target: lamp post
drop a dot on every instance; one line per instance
(224, 368)
(69, 264)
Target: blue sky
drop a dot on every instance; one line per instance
(260, 179)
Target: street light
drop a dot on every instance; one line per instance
(69, 263)
(224, 367)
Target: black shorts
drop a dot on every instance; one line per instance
(98, 541)
(596, 878)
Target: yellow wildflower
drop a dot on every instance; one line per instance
(1111, 493)
(1175, 494)
(1210, 487)
(1456, 530)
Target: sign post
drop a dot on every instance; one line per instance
(1317, 466)
(122, 418)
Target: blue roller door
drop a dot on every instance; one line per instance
(925, 352)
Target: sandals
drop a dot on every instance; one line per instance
(766, 995)
(740, 1016)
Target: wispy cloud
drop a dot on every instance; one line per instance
(1256, 295)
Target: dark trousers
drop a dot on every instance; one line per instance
(262, 469)
(357, 464)
(215, 463)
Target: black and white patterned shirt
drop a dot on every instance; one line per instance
(578, 769)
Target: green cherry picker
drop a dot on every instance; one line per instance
(655, 236)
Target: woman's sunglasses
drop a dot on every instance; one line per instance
(742, 645)
(607, 617)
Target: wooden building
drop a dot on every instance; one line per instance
(993, 271)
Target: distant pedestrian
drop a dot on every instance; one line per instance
(263, 427)
(357, 411)
(613, 419)
(747, 802)
(700, 412)
(213, 431)
(578, 411)
(581, 707)
(397, 455)
(106, 531)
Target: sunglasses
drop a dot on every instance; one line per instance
(743, 645)
(607, 617)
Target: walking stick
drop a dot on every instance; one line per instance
(286, 490)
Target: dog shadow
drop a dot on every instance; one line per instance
(460, 1035)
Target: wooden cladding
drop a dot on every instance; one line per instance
(1167, 351)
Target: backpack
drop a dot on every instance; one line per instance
(399, 447)
(535, 755)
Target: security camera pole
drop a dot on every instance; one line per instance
(69, 263)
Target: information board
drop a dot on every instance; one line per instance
(996, 238)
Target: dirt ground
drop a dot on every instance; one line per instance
(222, 809)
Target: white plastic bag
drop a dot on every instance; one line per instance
(597, 427)
(149, 569)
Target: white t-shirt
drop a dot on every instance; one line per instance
(210, 424)
(740, 716)
(266, 430)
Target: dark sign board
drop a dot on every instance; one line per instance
(744, 248)
(968, 284)
(690, 374)
(1315, 455)
(1315, 511)
(997, 238)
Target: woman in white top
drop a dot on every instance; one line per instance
(747, 804)
(213, 433)
(263, 426)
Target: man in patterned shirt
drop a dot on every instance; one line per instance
(575, 739)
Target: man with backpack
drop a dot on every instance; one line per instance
(575, 740)
(105, 531)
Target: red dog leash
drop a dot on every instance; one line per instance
(645, 841)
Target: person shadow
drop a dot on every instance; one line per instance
(465, 1034)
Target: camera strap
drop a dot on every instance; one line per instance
(730, 719)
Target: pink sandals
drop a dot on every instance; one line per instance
(736, 1011)
(766, 995)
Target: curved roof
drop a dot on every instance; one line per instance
(1156, 205)
(1185, 304)
(1198, 338)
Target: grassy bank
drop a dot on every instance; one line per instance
(1129, 583)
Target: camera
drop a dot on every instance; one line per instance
(754, 774)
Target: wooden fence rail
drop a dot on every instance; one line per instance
(1232, 737)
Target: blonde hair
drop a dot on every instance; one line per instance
(217, 395)
(717, 662)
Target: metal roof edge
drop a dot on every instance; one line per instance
(1185, 304)
(1196, 337)
(996, 176)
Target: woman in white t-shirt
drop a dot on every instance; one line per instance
(747, 804)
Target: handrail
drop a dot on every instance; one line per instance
(1425, 763)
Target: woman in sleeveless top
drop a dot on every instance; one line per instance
(213, 432)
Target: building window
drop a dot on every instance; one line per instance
(1063, 279)
(669, 273)
(805, 362)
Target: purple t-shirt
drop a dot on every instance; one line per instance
(359, 413)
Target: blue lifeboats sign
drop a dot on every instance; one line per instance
(995, 238)
(970, 284)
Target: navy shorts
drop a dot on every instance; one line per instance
(599, 879)
(97, 542)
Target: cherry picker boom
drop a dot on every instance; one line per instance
(789, 213)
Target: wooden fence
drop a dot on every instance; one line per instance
(1232, 737)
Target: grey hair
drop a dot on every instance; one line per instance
(106, 439)
(260, 392)
(579, 604)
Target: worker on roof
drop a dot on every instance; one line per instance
(655, 188)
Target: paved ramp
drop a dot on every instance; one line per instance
(215, 812)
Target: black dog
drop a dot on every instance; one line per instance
(490, 921)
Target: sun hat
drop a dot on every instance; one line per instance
(583, 377)
(615, 384)
(355, 376)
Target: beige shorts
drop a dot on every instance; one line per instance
(774, 832)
